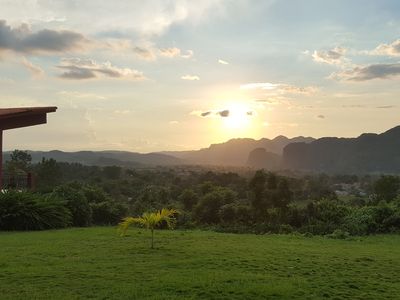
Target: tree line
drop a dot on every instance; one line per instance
(255, 202)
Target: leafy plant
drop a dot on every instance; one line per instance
(30, 211)
(151, 221)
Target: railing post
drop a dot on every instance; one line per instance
(1, 160)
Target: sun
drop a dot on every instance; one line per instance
(238, 117)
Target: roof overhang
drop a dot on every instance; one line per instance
(11, 118)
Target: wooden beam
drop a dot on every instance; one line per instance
(23, 121)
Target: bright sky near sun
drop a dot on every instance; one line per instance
(176, 75)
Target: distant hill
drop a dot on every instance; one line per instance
(105, 158)
(235, 152)
(368, 153)
(261, 158)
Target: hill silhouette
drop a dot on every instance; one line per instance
(368, 153)
(235, 152)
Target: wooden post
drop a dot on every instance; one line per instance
(1, 160)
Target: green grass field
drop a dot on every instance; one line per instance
(94, 263)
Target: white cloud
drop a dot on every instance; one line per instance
(279, 88)
(187, 54)
(76, 68)
(333, 56)
(79, 95)
(170, 52)
(259, 85)
(223, 62)
(392, 49)
(144, 17)
(190, 77)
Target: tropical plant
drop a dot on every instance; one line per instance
(151, 221)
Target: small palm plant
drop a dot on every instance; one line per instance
(150, 221)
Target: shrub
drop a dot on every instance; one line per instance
(339, 234)
(76, 202)
(107, 213)
(29, 211)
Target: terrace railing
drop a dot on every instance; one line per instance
(18, 181)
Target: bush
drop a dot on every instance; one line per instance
(107, 213)
(30, 211)
(339, 234)
(76, 202)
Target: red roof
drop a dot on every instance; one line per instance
(6, 113)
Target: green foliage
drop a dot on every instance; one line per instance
(387, 187)
(338, 234)
(188, 198)
(107, 212)
(112, 172)
(76, 202)
(48, 175)
(20, 162)
(30, 211)
(207, 209)
(151, 221)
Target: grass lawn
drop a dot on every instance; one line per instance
(94, 263)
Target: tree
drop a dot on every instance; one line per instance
(49, 174)
(21, 160)
(257, 186)
(112, 172)
(387, 188)
(207, 209)
(188, 198)
(19, 163)
(151, 221)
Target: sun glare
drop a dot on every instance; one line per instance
(239, 117)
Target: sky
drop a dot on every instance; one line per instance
(180, 75)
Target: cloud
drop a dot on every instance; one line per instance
(353, 106)
(79, 95)
(144, 53)
(223, 62)
(174, 122)
(188, 54)
(35, 70)
(320, 117)
(364, 73)
(259, 85)
(224, 113)
(386, 106)
(175, 52)
(190, 77)
(280, 88)
(144, 18)
(76, 68)
(122, 112)
(170, 52)
(211, 113)
(308, 90)
(22, 39)
(333, 56)
(392, 49)
(205, 114)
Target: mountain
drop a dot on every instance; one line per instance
(235, 152)
(261, 158)
(368, 153)
(105, 158)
